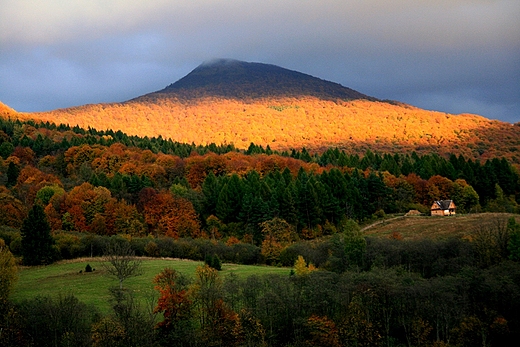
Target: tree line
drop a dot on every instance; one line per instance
(109, 183)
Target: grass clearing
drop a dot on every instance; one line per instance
(93, 288)
(416, 227)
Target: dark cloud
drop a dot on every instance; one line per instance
(452, 56)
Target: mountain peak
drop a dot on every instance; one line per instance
(229, 78)
(219, 62)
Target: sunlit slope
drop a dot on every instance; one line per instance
(240, 103)
(6, 111)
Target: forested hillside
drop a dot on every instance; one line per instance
(93, 181)
(230, 102)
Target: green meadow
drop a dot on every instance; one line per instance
(69, 277)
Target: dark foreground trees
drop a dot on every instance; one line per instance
(61, 321)
(8, 272)
(390, 307)
(364, 292)
(37, 242)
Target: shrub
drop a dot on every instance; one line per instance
(213, 261)
(379, 214)
(151, 249)
(69, 246)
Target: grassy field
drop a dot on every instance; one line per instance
(414, 227)
(93, 288)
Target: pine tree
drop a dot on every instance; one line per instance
(230, 200)
(37, 242)
(12, 174)
(210, 191)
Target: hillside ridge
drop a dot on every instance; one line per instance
(235, 102)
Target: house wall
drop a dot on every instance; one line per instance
(436, 211)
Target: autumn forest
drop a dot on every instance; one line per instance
(188, 172)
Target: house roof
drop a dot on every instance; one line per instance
(443, 204)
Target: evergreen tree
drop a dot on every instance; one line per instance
(6, 149)
(378, 192)
(286, 204)
(230, 200)
(13, 172)
(37, 242)
(307, 203)
(213, 261)
(210, 192)
(407, 166)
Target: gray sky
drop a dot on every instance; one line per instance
(456, 56)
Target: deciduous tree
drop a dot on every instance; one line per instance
(175, 305)
(121, 262)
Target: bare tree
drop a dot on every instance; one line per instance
(491, 241)
(121, 262)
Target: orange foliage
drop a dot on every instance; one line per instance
(198, 167)
(12, 211)
(30, 181)
(323, 332)
(86, 204)
(170, 215)
(421, 188)
(295, 122)
(54, 210)
(25, 154)
(173, 301)
(439, 188)
(232, 240)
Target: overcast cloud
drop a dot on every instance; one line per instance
(456, 56)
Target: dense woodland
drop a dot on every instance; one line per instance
(298, 208)
(285, 123)
(109, 183)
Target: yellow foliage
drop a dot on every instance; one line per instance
(301, 268)
(8, 271)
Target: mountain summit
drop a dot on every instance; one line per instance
(243, 80)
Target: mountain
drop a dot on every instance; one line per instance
(229, 101)
(242, 80)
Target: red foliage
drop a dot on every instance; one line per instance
(169, 215)
(173, 301)
(25, 154)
